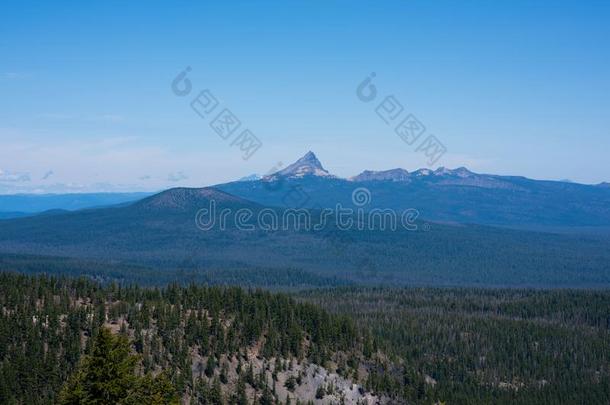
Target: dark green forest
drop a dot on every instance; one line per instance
(214, 344)
(486, 345)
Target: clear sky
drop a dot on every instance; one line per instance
(514, 87)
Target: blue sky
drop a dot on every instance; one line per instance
(86, 103)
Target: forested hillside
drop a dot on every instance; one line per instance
(215, 345)
(226, 345)
(468, 346)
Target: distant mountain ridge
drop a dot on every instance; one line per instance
(34, 203)
(400, 174)
(443, 195)
(442, 175)
(384, 175)
(447, 195)
(309, 165)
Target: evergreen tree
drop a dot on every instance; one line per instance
(210, 366)
(107, 376)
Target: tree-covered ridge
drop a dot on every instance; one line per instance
(471, 346)
(197, 334)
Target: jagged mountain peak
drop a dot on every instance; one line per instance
(309, 157)
(307, 165)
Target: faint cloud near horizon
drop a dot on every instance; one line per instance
(14, 177)
(177, 176)
(65, 188)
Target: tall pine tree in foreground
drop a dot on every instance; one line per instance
(107, 376)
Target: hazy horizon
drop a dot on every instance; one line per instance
(103, 188)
